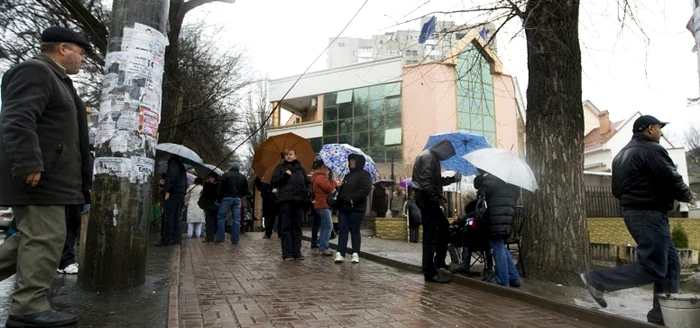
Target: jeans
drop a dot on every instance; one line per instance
(72, 231)
(315, 226)
(172, 229)
(413, 233)
(435, 238)
(232, 204)
(291, 214)
(326, 224)
(505, 271)
(194, 230)
(349, 222)
(210, 218)
(657, 260)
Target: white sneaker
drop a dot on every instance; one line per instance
(339, 258)
(355, 258)
(71, 269)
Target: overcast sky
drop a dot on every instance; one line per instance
(623, 73)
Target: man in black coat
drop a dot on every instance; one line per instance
(175, 187)
(646, 182)
(427, 185)
(44, 167)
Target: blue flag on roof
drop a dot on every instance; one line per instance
(426, 32)
(484, 33)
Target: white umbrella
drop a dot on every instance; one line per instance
(208, 169)
(505, 165)
(186, 155)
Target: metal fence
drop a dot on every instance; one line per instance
(367, 221)
(600, 203)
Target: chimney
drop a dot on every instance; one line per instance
(604, 120)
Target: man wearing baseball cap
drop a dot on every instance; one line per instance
(44, 168)
(646, 182)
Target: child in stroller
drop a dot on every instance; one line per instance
(466, 233)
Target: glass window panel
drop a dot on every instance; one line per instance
(392, 89)
(361, 124)
(491, 137)
(488, 92)
(376, 138)
(393, 105)
(463, 104)
(393, 120)
(477, 122)
(330, 98)
(476, 107)
(345, 138)
(316, 144)
(361, 94)
(330, 113)
(488, 108)
(392, 137)
(330, 127)
(489, 123)
(345, 126)
(360, 140)
(330, 139)
(463, 120)
(361, 108)
(344, 97)
(377, 122)
(345, 111)
(396, 151)
(376, 92)
(377, 155)
(376, 107)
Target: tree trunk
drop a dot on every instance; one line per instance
(555, 233)
(172, 92)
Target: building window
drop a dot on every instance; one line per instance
(371, 121)
(475, 103)
(341, 44)
(394, 53)
(316, 144)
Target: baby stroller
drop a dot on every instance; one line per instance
(475, 248)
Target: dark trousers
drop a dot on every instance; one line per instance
(210, 220)
(72, 230)
(349, 222)
(172, 229)
(291, 214)
(316, 224)
(435, 238)
(657, 260)
(270, 213)
(413, 233)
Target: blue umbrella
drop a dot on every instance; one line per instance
(464, 143)
(335, 157)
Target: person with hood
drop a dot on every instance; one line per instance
(175, 187)
(293, 192)
(322, 188)
(414, 220)
(645, 180)
(208, 202)
(232, 188)
(427, 185)
(352, 196)
(502, 201)
(195, 215)
(398, 200)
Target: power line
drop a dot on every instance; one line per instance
(262, 124)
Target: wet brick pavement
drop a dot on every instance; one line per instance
(249, 285)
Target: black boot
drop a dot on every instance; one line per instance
(47, 318)
(464, 267)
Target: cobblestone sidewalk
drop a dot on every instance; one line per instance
(249, 285)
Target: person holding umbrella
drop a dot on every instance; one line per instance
(175, 187)
(207, 202)
(427, 185)
(293, 192)
(356, 187)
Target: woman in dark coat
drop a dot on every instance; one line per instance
(293, 192)
(501, 199)
(353, 194)
(414, 218)
(207, 202)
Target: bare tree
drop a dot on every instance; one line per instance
(692, 140)
(254, 124)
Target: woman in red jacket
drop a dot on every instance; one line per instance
(322, 188)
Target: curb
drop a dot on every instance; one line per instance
(586, 315)
(174, 304)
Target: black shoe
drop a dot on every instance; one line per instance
(218, 241)
(161, 243)
(462, 269)
(488, 275)
(300, 257)
(514, 284)
(48, 318)
(437, 279)
(266, 237)
(314, 245)
(288, 258)
(442, 266)
(206, 241)
(597, 295)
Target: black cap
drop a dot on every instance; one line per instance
(62, 34)
(645, 121)
(318, 163)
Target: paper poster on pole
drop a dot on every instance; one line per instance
(148, 123)
(142, 169)
(128, 121)
(117, 166)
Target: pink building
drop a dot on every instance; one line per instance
(389, 110)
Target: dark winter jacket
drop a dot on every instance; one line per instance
(233, 184)
(380, 201)
(502, 202)
(645, 178)
(414, 216)
(356, 187)
(43, 128)
(427, 181)
(176, 177)
(291, 188)
(210, 194)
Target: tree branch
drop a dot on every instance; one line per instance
(192, 4)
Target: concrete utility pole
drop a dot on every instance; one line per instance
(116, 241)
(696, 4)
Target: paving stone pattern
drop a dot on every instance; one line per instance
(249, 285)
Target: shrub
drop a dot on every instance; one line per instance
(679, 237)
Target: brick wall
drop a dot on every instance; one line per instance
(394, 229)
(613, 231)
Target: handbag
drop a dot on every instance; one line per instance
(481, 207)
(332, 199)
